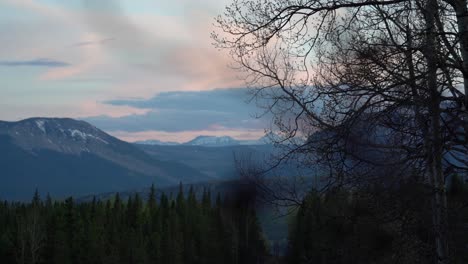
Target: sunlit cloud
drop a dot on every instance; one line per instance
(15, 111)
(91, 55)
(106, 50)
(94, 108)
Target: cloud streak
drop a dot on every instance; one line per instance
(215, 100)
(48, 63)
(91, 42)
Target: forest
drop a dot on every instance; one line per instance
(153, 229)
(376, 224)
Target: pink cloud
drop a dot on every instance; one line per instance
(90, 57)
(149, 54)
(94, 108)
(15, 111)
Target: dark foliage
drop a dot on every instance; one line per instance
(376, 224)
(149, 230)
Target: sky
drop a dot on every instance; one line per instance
(138, 69)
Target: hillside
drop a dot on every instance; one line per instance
(69, 157)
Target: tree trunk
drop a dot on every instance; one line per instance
(461, 10)
(435, 153)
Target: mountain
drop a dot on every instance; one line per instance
(211, 141)
(156, 142)
(68, 157)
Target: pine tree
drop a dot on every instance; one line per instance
(152, 199)
(181, 230)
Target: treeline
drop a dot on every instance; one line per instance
(149, 230)
(377, 224)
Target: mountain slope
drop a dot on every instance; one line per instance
(70, 157)
(217, 162)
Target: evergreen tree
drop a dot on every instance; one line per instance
(180, 230)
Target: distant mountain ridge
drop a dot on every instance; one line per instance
(64, 156)
(156, 142)
(213, 141)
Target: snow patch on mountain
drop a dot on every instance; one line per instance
(84, 136)
(212, 141)
(40, 124)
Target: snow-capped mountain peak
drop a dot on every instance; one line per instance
(213, 141)
(58, 134)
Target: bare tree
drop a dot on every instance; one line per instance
(357, 86)
(31, 236)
